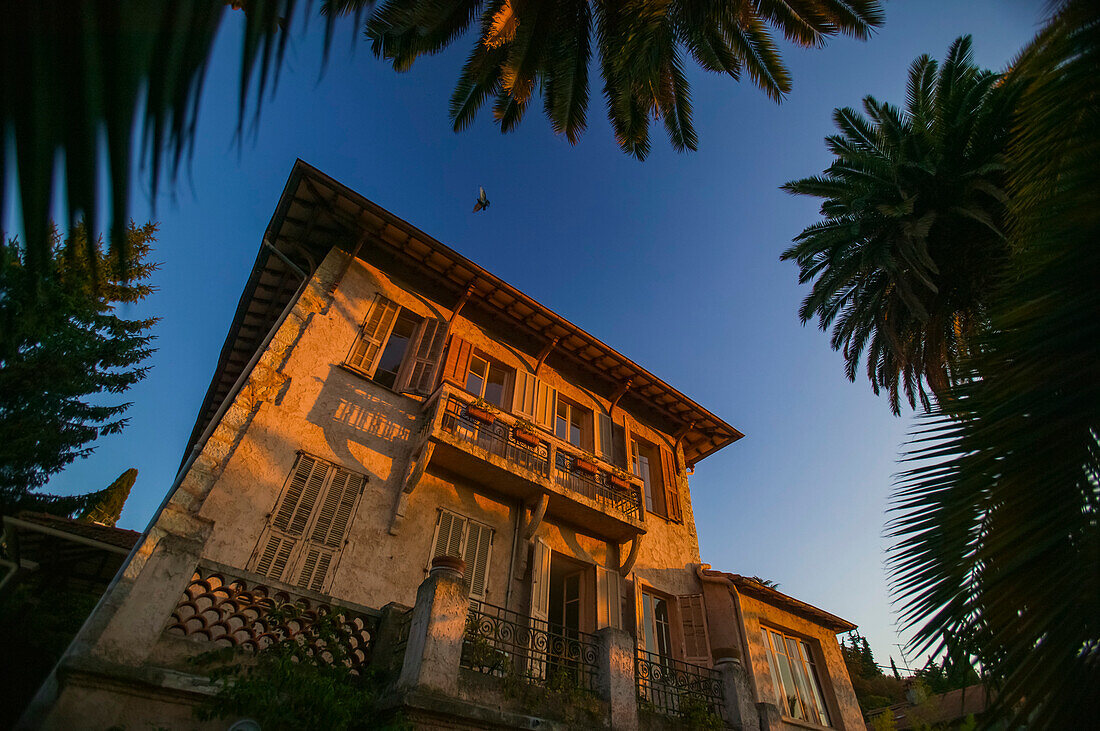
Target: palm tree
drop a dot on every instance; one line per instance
(912, 235)
(529, 46)
(998, 517)
(77, 76)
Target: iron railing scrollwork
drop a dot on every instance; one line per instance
(503, 643)
(596, 487)
(497, 438)
(677, 688)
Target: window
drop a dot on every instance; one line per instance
(644, 465)
(574, 424)
(655, 625)
(657, 468)
(456, 535)
(397, 348)
(306, 531)
(488, 380)
(612, 441)
(794, 675)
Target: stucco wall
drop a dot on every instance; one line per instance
(329, 411)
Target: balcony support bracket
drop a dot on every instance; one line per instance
(413, 473)
(538, 512)
(632, 556)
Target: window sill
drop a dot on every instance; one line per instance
(801, 723)
(419, 398)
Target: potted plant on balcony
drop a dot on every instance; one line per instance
(619, 479)
(583, 464)
(482, 411)
(526, 432)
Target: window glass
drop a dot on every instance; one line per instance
(641, 469)
(396, 346)
(475, 377)
(655, 625)
(574, 424)
(496, 384)
(797, 687)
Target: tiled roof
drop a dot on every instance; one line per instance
(120, 537)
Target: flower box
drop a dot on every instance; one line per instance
(583, 465)
(480, 414)
(527, 437)
(620, 482)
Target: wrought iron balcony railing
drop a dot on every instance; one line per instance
(503, 643)
(496, 438)
(595, 487)
(677, 688)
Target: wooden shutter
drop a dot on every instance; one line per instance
(540, 581)
(428, 349)
(608, 598)
(300, 493)
(546, 399)
(607, 438)
(449, 529)
(376, 328)
(315, 566)
(694, 623)
(458, 361)
(337, 508)
(273, 559)
(523, 394)
(669, 476)
(479, 546)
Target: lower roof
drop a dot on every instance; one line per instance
(754, 588)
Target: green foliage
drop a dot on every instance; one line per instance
(913, 231)
(297, 682)
(108, 508)
(696, 713)
(873, 689)
(996, 517)
(524, 49)
(62, 346)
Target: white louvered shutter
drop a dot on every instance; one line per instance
(540, 581)
(523, 394)
(308, 473)
(331, 525)
(376, 328)
(693, 619)
(608, 598)
(424, 360)
(479, 547)
(273, 559)
(449, 530)
(545, 404)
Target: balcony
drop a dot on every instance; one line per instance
(486, 449)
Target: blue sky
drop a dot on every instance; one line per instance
(674, 262)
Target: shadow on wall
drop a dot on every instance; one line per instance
(348, 410)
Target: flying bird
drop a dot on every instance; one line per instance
(482, 201)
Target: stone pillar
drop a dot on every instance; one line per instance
(770, 719)
(741, 712)
(616, 678)
(436, 631)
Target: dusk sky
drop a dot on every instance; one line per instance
(673, 261)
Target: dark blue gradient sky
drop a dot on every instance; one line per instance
(674, 262)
